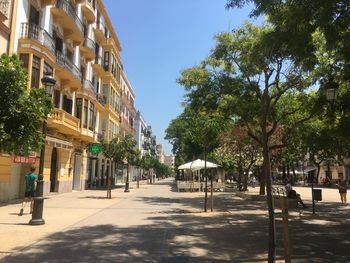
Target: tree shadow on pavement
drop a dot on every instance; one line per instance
(235, 232)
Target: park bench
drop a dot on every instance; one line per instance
(279, 193)
(188, 186)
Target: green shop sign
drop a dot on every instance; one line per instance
(95, 148)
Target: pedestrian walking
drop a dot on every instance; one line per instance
(31, 180)
(253, 181)
(342, 187)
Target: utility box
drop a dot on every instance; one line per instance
(317, 193)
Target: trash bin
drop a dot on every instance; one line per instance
(317, 193)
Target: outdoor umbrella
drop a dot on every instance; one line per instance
(197, 165)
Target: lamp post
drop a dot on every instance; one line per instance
(37, 216)
(331, 88)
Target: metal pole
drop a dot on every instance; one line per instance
(37, 216)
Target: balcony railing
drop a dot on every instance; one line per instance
(68, 65)
(99, 60)
(102, 99)
(87, 84)
(89, 43)
(101, 136)
(67, 7)
(32, 31)
(4, 7)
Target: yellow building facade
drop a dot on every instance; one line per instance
(75, 42)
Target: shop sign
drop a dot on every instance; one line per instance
(31, 159)
(95, 148)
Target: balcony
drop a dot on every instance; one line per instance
(4, 8)
(88, 49)
(101, 32)
(47, 2)
(64, 122)
(67, 71)
(88, 11)
(101, 136)
(88, 86)
(72, 26)
(36, 36)
(98, 65)
(101, 99)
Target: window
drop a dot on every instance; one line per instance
(91, 113)
(106, 61)
(34, 16)
(25, 60)
(67, 104)
(85, 120)
(114, 71)
(56, 98)
(48, 71)
(78, 108)
(58, 42)
(35, 72)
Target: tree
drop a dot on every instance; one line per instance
(128, 143)
(302, 19)
(115, 151)
(147, 164)
(196, 133)
(243, 151)
(248, 73)
(135, 160)
(320, 41)
(21, 112)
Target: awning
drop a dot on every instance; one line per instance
(59, 143)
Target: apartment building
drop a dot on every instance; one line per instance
(160, 153)
(5, 25)
(75, 42)
(127, 109)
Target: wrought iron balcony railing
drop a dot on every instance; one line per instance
(67, 7)
(87, 84)
(89, 43)
(102, 99)
(32, 31)
(66, 63)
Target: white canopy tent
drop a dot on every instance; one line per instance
(197, 165)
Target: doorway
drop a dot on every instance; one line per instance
(53, 170)
(77, 171)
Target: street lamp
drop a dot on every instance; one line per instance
(331, 88)
(37, 216)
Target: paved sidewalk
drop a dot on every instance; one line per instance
(60, 212)
(156, 224)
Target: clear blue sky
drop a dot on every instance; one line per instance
(159, 38)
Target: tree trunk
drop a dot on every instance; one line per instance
(109, 186)
(262, 181)
(211, 193)
(138, 178)
(318, 172)
(206, 183)
(127, 179)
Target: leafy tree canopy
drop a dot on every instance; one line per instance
(21, 112)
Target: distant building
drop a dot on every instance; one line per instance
(169, 160)
(160, 153)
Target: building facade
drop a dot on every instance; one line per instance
(169, 160)
(75, 42)
(5, 25)
(127, 109)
